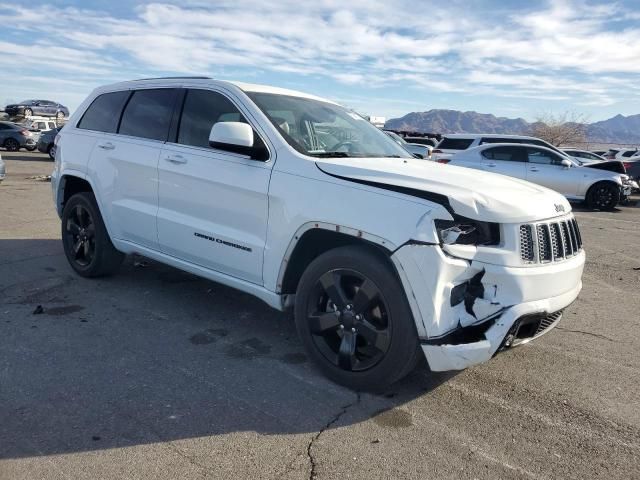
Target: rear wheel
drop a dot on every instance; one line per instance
(51, 152)
(603, 196)
(12, 145)
(30, 149)
(85, 239)
(354, 320)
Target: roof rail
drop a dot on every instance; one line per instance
(173, 78)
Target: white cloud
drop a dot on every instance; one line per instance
(568, 49)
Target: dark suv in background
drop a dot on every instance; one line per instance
(45, 108)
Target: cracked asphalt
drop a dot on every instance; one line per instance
(154, 373)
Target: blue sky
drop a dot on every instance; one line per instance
(381, 57)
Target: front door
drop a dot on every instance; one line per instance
(545, 168)
(213, 204)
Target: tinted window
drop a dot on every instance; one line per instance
(455, 143)
(543, 157)
(103, 114)
(148, 114)
(3, 126)
(629, 153)
(203, 108)
(506, 154)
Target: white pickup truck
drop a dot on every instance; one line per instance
(292, 198)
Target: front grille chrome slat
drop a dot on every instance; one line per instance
(548, 242)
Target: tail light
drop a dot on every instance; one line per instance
(435, 151)
(443, 160)
(626, 165)
(56, 140)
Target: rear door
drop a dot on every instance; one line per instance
(125, 164)
(506, 160)
(545, 168)
(213, 206)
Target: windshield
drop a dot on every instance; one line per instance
(321, 129)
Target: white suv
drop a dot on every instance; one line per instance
(305, 204)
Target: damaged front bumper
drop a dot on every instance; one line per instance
(466, 310)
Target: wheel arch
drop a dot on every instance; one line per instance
(316, 238)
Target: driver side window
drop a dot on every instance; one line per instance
(203, 108)
(542, 157)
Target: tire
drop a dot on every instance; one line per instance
(30, 149)
(28, 112)
(85, 239)
(51, 152)
(379, 343)
(12, 145)
(60, 116)
(603, 196)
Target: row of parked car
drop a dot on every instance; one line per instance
(600, 181)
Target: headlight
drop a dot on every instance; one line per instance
(464, 231)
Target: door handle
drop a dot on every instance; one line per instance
(534, 170)
(175, 159)
(106, 146)
(490, 164)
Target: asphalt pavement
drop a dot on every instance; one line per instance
(156, 374)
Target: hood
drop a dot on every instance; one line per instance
(472, 193)
(611, 166)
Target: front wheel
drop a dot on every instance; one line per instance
(354, 320)
(51, 151)
(85, 239)
(30, 149)
(603, 196)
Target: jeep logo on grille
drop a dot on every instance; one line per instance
(559, 208)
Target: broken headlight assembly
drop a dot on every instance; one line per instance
(465, 231)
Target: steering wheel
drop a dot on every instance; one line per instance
(344, 143)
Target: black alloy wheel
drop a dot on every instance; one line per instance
(80, 235)
(349, 320)
(51, 151)
(12, 145)
(603, 196)
(354, 319)
(85, 239)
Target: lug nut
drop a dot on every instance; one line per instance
(358, 317)
(348, 307)
(341, 327)
(353, 330)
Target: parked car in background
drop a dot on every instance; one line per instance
(45, 108)
(41, 124)
(600, 189)
(632, 168)
(13, 137)
(600, 153)
(3, 169)
(583, 156)
(423, 151)
(421, 140)
(455, 143)
(46, 142)
(626, 153)
(383, 258)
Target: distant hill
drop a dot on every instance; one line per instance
(619, 129)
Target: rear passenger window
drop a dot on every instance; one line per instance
(148, 114)
(103, 114)
(455, 143)
(506, 154)
(203, 108)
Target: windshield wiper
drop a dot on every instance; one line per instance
(330, 154)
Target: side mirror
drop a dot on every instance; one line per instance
(236, 137)
(566, 163)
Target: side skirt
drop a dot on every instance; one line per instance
(270, 298)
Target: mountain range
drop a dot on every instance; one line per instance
(618, 129)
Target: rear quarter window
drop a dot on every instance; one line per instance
(455, 143)
(104, 112)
